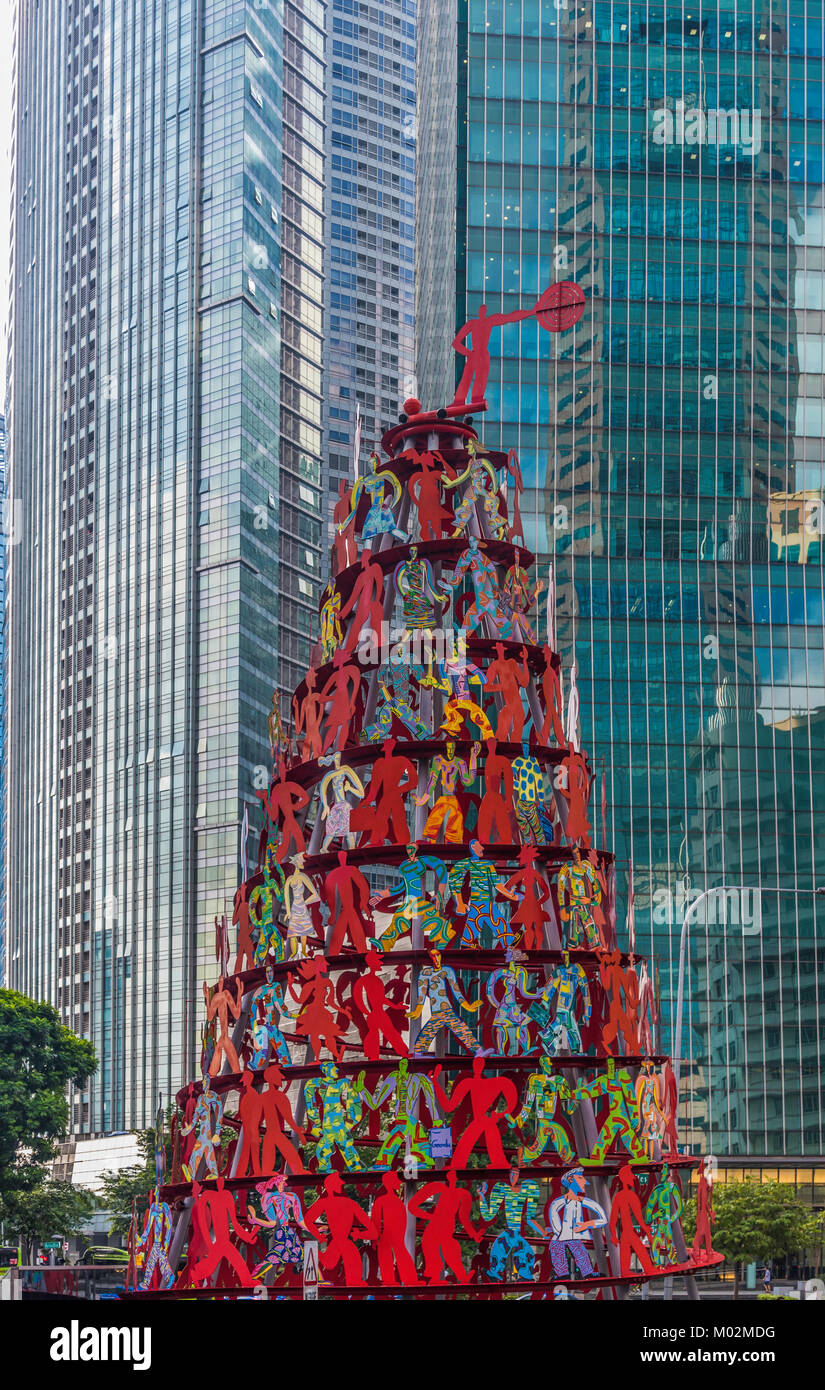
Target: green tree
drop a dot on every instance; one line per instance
(52, 1209)
(757, 1221)
(38, 1059)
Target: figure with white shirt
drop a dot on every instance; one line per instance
(571, 1218)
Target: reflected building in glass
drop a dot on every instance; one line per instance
(670, 161)
(165, 461)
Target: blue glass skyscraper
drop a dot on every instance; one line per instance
(670, 161)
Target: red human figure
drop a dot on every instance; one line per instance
(276, 1113)
(306, 715)
(314, 1019)
(392, 777)
(366, 602)
(514, 472)
(370, 996)
(506, 678)
(197, 1246)
(347, 887)
(390, 1217)
(344, 548)
(215, 1219)
(439, 1245)
(576, 791)
(284, 799)
(620, 989)
(494, 824)
(626, 1208)
(477, 367)
(702, 1249)
(250, 1114)
(188, 1138)
(533, 890)
(482, 1092)
(670, 1095)
(424, 489)
(340, 1222)
(551, 698)
(223, 1004)
(341, 690)
(245, 956)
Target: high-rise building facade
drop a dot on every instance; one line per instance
(165, 462)
(6, 533)
(370, 219)
(669, 160)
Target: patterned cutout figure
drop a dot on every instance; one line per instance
(398, 696)
(439, 983)
(336, 810)
(482, 487)
(446, 772)
(300, 894)
(206, 1123)
(264, 1014)
(580, 892)
(571, 1225)
(416, 902)
(520, 1203)
(510, 1022)
(379, 520)
(663, 1209)
(484, 579)
(560, 1033)
(405, 1129)
(265, 901)
(334, 1109)
(529, 794)
(483, 915)
(649, 1101)
(281, 1212)
(458, 675)
(157, 1233)
(542, 1094)
(622, 1119)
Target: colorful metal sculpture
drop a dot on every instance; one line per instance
(454, 950)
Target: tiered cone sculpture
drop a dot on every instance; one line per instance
(428, 1059)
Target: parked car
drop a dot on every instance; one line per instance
(104, 1255)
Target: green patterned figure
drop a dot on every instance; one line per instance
(663, 1209)
(342, 1111)
(622, 1120)
(521, 1202)
(543, 1092)
(265, 902)
(406, 1131)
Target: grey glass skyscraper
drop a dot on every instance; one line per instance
(668, 159)
(6, 534)
(371, 209)
(165, 456)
